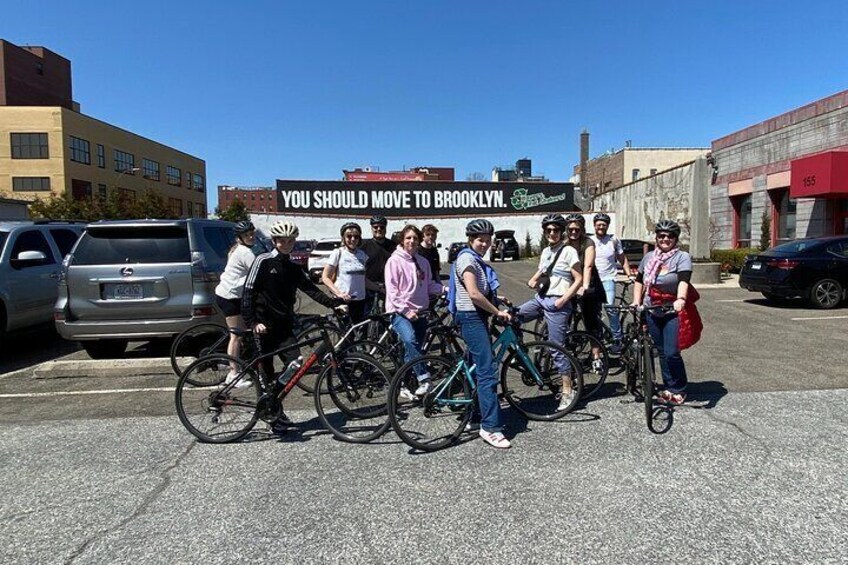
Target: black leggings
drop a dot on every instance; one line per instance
(271, 341)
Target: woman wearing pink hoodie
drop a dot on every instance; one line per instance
(409, 285)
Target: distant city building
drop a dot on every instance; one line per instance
(369, 174)
(628, 164)
(257, 199)
(48, 146)
(523, 172)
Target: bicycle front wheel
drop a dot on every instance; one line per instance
(213, 411)
(354, 408)
(584, 346)
(533, 380)
(436, 419)
(196, 342)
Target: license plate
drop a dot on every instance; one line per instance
(756, 266)
(128, 292)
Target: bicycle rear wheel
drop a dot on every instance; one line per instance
(581, 346)
(648, 383)
(354, 408)
(436, 419)
(541, 400)
(196, 342)
(211, 410)
(384, 354)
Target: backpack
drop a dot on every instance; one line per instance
(491, 279)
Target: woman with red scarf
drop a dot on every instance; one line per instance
(663, 278)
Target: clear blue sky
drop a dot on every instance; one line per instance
(301, 90)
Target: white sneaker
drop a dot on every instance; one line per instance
(565, 400)
(232, 375)
(423, 388)
(495, 439)
(598, 366)
(407, 395)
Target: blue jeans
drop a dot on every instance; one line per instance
(557, 321)
(614, 316)
(476, 336)
(412, 334)
(663, 330)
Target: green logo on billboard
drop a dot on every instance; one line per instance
(520, 200)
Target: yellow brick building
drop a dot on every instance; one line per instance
(46, 149)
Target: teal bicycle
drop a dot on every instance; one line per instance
(531, 378)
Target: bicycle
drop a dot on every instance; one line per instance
(529, 380)
(218, 412)
(638, 355)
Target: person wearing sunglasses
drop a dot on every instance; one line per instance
(591, 292)
(663, 278)
(344, 273)
(555, 282)
(378, 249)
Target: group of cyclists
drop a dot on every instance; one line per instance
(259, 293)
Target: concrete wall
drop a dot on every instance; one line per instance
(680, 194)
(450, 229)
(659, 159)
(767, 149)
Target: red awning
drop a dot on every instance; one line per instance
(820, 176)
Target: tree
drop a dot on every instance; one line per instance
(235, 212)
(765, 232)
(115, 206)
(528, 245)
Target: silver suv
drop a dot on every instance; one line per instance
(30, 261)
(140, 280)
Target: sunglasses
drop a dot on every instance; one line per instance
(352, 236)
(574, 230)
(666, 236)
(553, 230)
(381, 228)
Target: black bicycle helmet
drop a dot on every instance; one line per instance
(555, 219)
(574, 217)
(601, 218)
(244, 226)
(379, 221)
(479, 227)
(349, 226)
(668, 226)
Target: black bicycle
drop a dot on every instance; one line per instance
(353, 408)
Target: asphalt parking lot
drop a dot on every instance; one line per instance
(97, 469)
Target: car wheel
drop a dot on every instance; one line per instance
(826, 294)
(105, 348)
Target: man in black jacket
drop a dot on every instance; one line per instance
(270, 292)
(378, 249)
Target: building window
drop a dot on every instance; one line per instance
(188, 180)
(101, 191)
(742, 210)
(635, 174)
(101, 156)
(150, 168)
(30, 146)
(124, 162)
(127, 194)
(174, 176)
(30, 184)
(200, 210)
(80, 150)
(176, 206)
(785, 212)
(198, 183)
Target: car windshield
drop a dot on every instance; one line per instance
(303, 246)
(795, 246)
(326, 245)
(113, 246)
(3, 236)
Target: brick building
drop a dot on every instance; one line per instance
(257, 199)
(793, 168)
(34, 76)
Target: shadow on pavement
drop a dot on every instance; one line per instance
(26, 348)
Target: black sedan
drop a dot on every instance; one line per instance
(505, 246)
(454, 250)
(814, 269)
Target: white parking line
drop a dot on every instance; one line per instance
(85, 392)
(820, 318)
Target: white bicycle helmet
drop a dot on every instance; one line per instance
(284, 229)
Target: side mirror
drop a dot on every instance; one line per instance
(31, 256)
